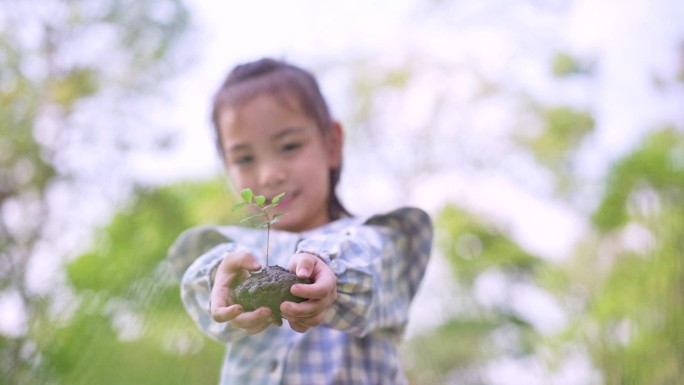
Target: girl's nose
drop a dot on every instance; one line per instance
(272, 174)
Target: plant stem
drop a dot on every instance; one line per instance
(268, 236)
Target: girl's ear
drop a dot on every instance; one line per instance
(335, 144)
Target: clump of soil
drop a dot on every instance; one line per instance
(268, 287)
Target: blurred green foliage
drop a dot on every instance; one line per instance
(129, 326)
(156, 217)
(473, 246)
(636, 314)
(622, 289)
(464, 345)
(563, 64)
(563, 129)
(66, 66)
(651, 175)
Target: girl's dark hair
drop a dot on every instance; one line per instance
(281, 80)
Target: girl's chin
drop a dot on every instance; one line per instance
(285, 225)
(294, 224)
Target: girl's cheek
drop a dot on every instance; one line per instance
(236, 178)
(243, 180)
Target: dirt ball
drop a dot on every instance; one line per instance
(268, 287)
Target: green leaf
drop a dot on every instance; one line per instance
(260, 200)
(247, 194)
(251, 217)
(239, 206)
(277, 198)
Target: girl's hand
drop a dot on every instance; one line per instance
(236, 266)
(320, 294)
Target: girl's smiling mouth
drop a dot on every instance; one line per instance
(286, 199)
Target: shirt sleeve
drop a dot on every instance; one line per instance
(379, 266)
(193, 257)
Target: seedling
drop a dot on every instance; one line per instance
(270, 286)
(258, 202)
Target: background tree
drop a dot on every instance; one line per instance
(126, 323)
(628, 279)
(484, 328)
(73, 75)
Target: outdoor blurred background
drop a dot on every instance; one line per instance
(545, 138)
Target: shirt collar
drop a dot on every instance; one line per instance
(331, 227)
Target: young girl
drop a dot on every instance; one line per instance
(275, 134)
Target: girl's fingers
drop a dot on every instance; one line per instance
(259, 328)
(294, 310)
(304, 324)
(233, 266)
(320, 294)
(305, 266)
(298, 327)
(302, 316)
(324, 286)
(254, 321)
(324, 280)
(238, 261)
(225, 314)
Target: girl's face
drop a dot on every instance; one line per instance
(271, 146)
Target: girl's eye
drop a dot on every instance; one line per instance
(291, 147)
(243, 160)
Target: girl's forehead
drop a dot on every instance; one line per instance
(261, 106)
(262, 116)
(282, 98)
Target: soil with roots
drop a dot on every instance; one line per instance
(268, 287)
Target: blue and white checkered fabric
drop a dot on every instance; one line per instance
(379, 263)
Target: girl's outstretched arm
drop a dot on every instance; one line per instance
(378, 267)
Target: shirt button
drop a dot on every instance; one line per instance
(274, 365)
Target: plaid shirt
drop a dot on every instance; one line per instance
(379, 264)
